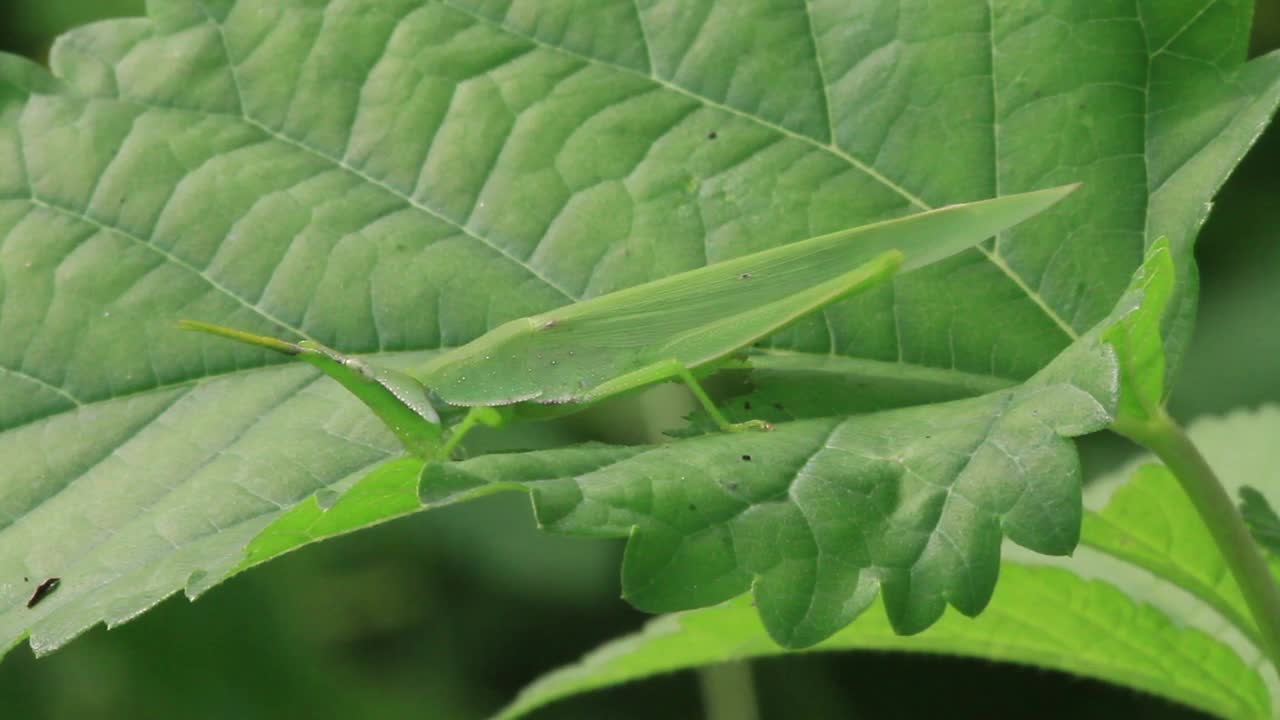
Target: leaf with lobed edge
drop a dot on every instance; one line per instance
(818, 514)
(1147, 602)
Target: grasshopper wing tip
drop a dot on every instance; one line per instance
(1039, 200)
(1057, 193)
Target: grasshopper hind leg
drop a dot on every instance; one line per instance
(705, 400)
(673, 370)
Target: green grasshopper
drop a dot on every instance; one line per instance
(682, 327)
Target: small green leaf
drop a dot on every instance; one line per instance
(1261, 519)
(1150, 523)
(386, 492)
(1137, 341)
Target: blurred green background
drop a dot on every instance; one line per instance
(448, 614)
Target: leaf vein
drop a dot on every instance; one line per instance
(22, 375)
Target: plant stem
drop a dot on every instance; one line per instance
(1163, 436)
(727, 691)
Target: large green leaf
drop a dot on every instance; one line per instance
(1039, 616)
(402, 176)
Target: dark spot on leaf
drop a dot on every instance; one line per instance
(777, 406)
(44, 590)
(747, 458)
(712, 135)
(733, 486)
(692, 506)
(746, 405)
(26, 579)
(744, 276)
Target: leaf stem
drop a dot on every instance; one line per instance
(1164, 437)
(728, 692)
